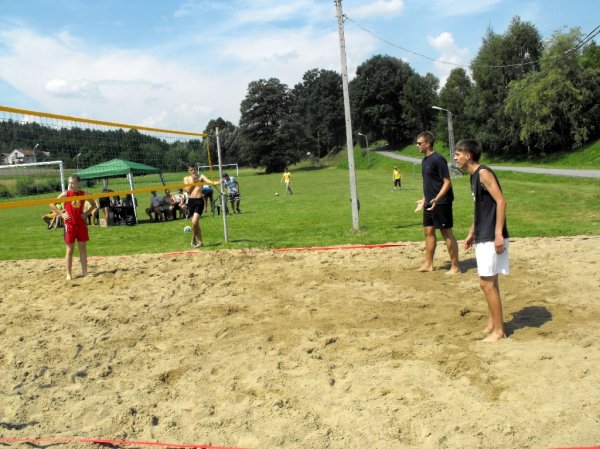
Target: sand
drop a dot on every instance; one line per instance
(351, 348)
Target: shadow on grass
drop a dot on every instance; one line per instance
(533, 316)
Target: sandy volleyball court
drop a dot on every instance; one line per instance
(320, 349)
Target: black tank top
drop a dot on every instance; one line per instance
(485, 209)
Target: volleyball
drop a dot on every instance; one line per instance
(187, 229)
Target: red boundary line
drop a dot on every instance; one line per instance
(111, 442)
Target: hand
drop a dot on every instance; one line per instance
(499, 244)
(469, 242)
(420, 205)
(432, 204)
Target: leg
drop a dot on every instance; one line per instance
(69, 259)
(83, 257)
(491, 291)
(196, 231)
(452, 247)
(430, 243)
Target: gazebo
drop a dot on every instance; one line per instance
(117, 168)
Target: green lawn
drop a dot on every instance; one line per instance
(319, 213)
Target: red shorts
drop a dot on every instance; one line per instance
(76, 232)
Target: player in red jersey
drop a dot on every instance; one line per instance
(75, 223)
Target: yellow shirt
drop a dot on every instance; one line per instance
(287, 177)
(397, 174)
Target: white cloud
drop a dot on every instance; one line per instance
(448, 51)
(378, 8)
(77, 89)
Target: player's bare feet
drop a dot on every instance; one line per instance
(495, 336)
(453, 270)
(197, 245)
(426, 268)
(68, 277)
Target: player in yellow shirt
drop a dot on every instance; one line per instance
(287, 180)
(397, 177)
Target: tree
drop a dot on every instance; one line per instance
(230, 150)
(453, 97)
(418, 95)
(501, 60)
(319, 103)
(557, 107)
(376, 93)
(270, 133)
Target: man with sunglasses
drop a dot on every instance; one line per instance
(436, 203)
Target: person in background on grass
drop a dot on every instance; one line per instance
(196, 202)
(208, 195)
(232, 187)
(287, 180)
(436, 203)
(75, 220)
(397, 178)
(156, 203)
(488, 232)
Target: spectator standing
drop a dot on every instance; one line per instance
(232, 187)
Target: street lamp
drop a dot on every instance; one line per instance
(33, 151)
(368, 154)
(77, 160)
(450, 132)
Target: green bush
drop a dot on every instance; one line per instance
(4, 192)
(31, 185)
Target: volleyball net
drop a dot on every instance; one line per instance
(40, 151)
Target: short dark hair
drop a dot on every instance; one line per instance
(470, 146)
(76, 177)
(428, 136)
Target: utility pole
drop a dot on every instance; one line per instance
(351, 172)
(450, 133)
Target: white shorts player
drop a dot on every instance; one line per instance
(489, 262)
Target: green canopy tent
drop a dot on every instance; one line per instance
(117, 168)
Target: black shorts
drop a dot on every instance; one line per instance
(440, 217)
(234, 196)
(195, 206)
(397, 183)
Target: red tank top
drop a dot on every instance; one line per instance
(75, 208)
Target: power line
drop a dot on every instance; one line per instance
(376, 36)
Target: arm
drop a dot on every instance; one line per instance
(489, 182)
(58, 211)
(470, 238)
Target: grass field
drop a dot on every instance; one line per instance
(319, 213)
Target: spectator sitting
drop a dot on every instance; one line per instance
(53, 220)
(180, 199)
(155, 208)
(169, 205)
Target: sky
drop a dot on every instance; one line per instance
(177, 64)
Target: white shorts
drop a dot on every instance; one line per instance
(490, 263)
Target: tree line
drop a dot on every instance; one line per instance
(523, 97)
